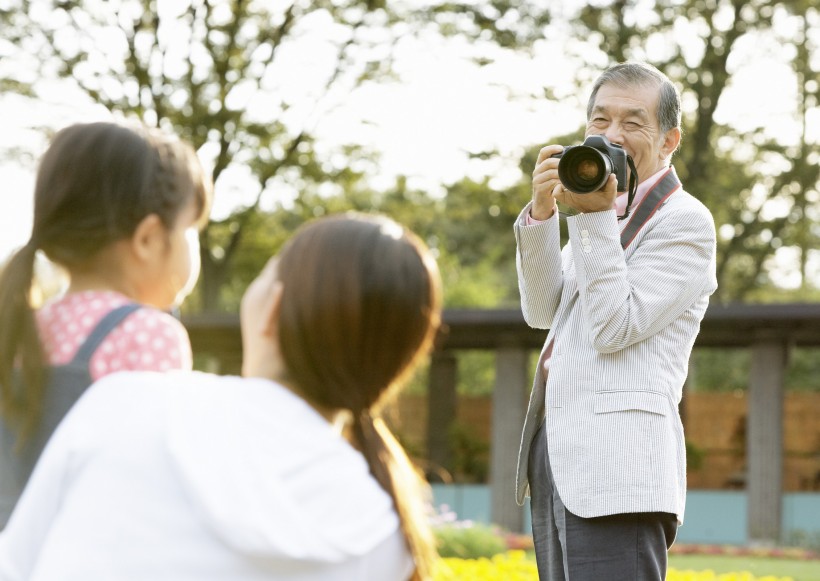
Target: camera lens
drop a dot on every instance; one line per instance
(584, 169)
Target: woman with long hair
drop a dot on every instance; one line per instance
(286, 473)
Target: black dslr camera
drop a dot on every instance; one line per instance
(585, 168)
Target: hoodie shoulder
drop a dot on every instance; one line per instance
(271, 477)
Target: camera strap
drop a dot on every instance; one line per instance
(667, 185)
(633, 186)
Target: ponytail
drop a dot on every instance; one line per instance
(20, 402)
(352, 285)
(393, 470)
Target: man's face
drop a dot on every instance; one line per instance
(628, 117)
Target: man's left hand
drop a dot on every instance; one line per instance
(600, 201)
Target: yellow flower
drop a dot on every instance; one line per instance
(509, 566)
(516, 566)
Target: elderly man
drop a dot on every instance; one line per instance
(602, 452)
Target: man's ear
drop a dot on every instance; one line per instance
(270, 312)
(150, 237)
(670, 142)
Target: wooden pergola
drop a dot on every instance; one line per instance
(769, 331)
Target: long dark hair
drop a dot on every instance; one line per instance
(95, 184)
(361, 305)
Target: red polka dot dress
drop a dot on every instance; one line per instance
(148, 339)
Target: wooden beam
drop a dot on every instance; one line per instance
(723, 326)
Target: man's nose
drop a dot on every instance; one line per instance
(614, 133)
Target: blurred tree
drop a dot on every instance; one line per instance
(475, 232)
(763, 191)
(217, 73)
(496, 23)
(222, 74)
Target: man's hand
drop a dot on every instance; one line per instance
(603, 199)
(544, 182)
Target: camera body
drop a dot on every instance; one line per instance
(585, 168)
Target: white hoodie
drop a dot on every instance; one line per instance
(183, 475)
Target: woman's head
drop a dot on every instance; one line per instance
(360, 303)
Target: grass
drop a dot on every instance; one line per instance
(797, 569)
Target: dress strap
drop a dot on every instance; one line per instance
(107, 324)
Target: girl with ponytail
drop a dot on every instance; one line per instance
(286, 473)
(118, 207)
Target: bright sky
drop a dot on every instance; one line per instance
(444, 108)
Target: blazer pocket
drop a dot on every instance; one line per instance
(619, 401)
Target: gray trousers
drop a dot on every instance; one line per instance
(619, 547)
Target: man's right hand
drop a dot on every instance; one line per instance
(545, 183)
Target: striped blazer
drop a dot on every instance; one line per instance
(623, 324)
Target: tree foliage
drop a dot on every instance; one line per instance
(229, 76)
(223, 75)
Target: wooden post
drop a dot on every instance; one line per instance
(509, 408)
(442, 403)
(764, 445)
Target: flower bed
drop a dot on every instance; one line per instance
(509, 566)
(523, 542)
(481, 552)
(516, 566)
(735, 551)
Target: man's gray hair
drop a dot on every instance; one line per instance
(641, 75)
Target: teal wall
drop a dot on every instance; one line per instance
(801, 514)
(712, 516)
(467, 501)
(715, 517)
